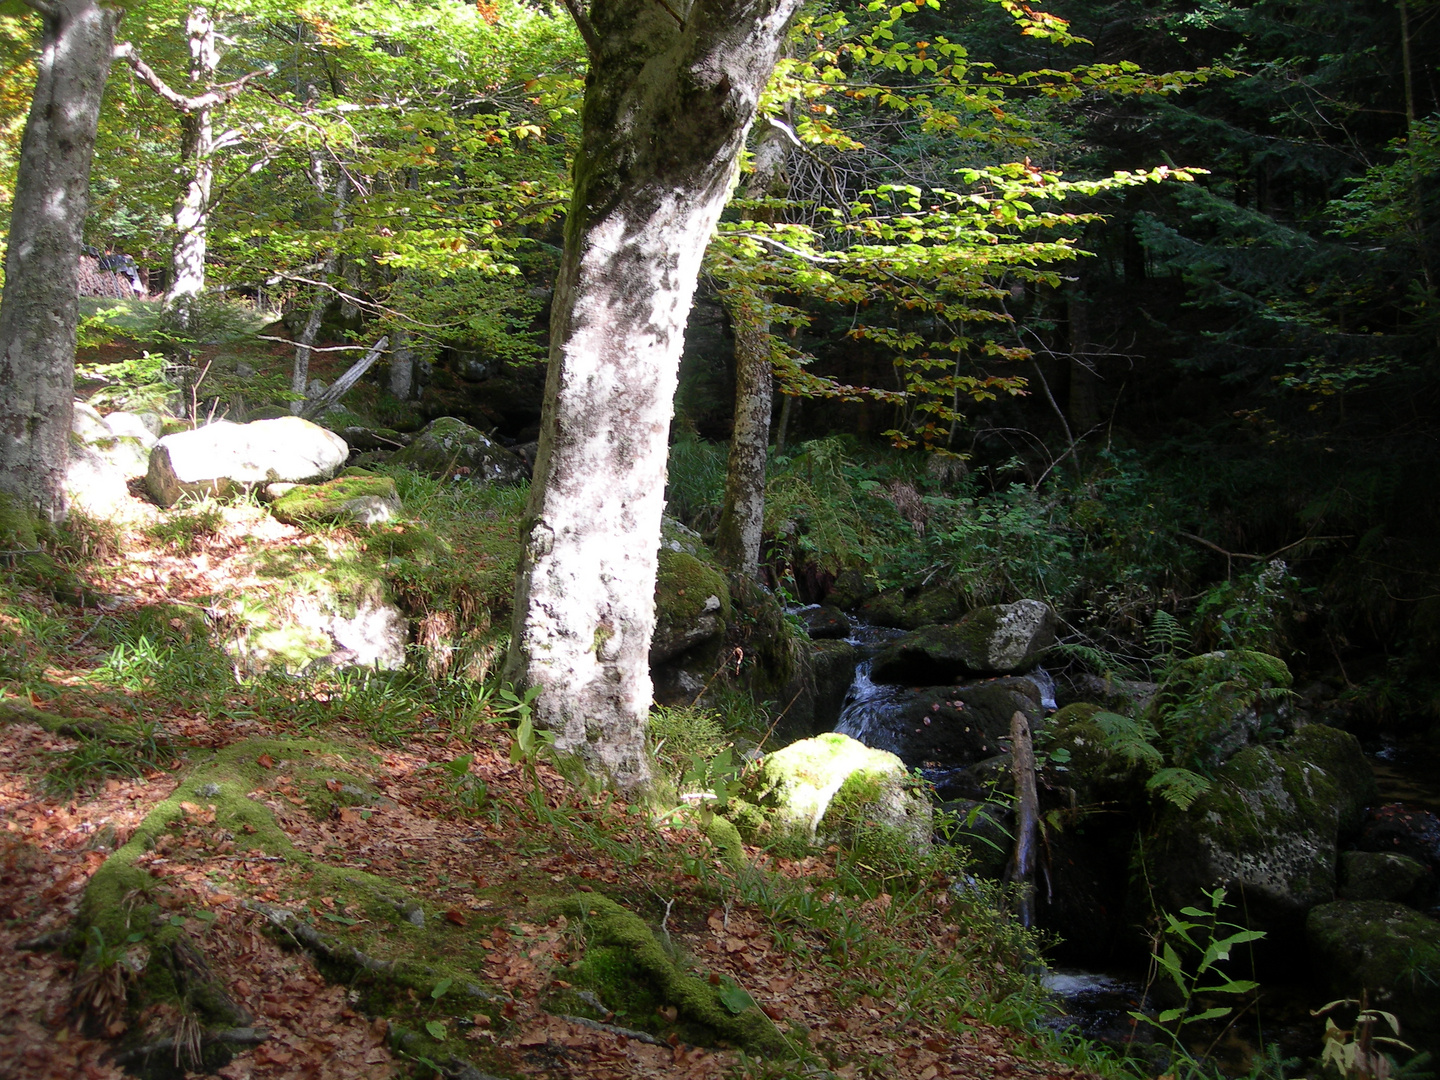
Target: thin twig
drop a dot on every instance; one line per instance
(314, 348)
(87, 633)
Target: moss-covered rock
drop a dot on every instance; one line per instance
(832, 787)
(448, 448)
(934, 604)
(359, 500)
(1002, 639)
(692, 604)
(1386, 949)
(222, 457)
(1268, 828)
(888, 608)
(1211, 705)
(851, 588)
(1341, 756)
(629, 969)
(345, 618)
(824, 622)
(1098, 766)
(946, 725)
(1383, 875)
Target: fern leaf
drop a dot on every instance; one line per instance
(1130, 738)
(1178, 787)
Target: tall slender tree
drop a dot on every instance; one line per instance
(39, 307)
(198, 145)
(670, 95)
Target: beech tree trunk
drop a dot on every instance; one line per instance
(198, 146)
(402, 366)
(668, 102)
(39, 308)
(742, 512)
(192, 208)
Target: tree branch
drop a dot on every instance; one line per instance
(218, 95)
(44, 7)
(671, 12)
(585, 26)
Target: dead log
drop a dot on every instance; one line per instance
(316, 406)
(1026, 856)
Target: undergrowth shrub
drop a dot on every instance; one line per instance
(695, 481)
(184, 529)
(680, 735)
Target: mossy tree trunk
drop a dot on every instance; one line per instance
(668, 102)
(39, 309)
(742, 513)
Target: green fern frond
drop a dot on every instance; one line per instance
(1165, 634)
(1131, 738)
(1097, 660)
(1178, 787)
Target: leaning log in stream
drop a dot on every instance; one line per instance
(1024, 858)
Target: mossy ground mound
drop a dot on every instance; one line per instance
(355, 498)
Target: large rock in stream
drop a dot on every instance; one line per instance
(943, 725)
(1386, 949)
(831, 787)
(1000, 640)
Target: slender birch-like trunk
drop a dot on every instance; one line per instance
(192, 208)
(668, 101)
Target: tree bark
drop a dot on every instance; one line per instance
(668, 102)
(39, 308)
(402, 366)
(192, 208)
(197, 150)
(742, 512)
(300, 373)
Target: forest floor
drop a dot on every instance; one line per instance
(861, 978)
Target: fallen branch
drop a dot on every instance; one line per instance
(1023, 860)
(317, 406)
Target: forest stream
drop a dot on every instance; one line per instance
(1099, 1001)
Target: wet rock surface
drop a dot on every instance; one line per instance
(999, 640)
(949, 725)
